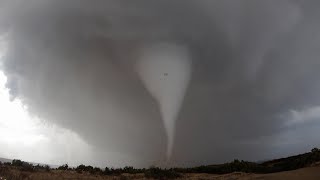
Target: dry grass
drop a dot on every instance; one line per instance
(12, 173)
(309, 173)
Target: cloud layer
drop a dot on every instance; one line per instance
(74, 63)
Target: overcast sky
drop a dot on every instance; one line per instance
(149, 82)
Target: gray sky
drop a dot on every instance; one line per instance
(186, 82)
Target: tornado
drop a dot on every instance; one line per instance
(165, 71)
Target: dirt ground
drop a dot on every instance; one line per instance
(310, 173)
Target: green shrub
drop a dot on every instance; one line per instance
(63, 167)
(27, 167)
(47, 168)
(315, 150)
(7, 163)
(17, 162)
(107, 171)
(80, 168)
(158, 173)
(96, 170)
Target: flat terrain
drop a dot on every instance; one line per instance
(305, 173)
(309, 173)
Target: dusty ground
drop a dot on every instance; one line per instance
(310, 173)
(300, 174)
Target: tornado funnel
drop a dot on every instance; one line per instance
(165, 70)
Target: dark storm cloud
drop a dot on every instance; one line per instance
(73, 63)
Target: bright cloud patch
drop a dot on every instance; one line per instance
(303, 116)
(23, 136)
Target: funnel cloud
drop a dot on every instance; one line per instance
(165, 70)
(180, 83)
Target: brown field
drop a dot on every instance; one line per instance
(309, 173)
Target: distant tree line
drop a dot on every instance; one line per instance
(25, 166)
(278, 165)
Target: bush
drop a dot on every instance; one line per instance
(17, 162)
(24, 166)
(43, 168)
(89, 169)
(158, 173)
(27, 167)
(47, 168)
(80, 168)
(315, 150)
(116, 172)
(7, 163)
(96, 170)
(107, 171)
(63, 167)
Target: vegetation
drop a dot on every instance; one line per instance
(92, 170)
(17, 162)
(278, 165)
(293, 162)
(158, 173)
(24, 166)
(63, 167)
